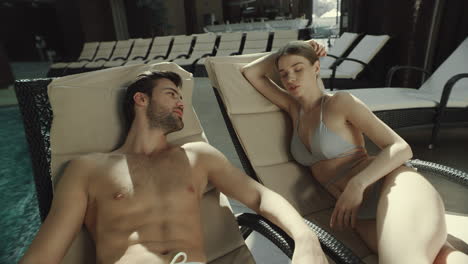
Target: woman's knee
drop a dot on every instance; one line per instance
(402, 258)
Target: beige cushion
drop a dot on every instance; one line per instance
(87, 119)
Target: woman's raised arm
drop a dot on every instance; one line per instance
(260, 74)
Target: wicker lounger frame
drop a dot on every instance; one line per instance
(37, 115)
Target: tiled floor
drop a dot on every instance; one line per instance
(451, 150)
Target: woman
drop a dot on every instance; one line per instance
(375, 195)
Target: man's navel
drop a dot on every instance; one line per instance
(118, 196)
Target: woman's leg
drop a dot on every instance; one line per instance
(410, 219)
(449, 255)
(367, 231)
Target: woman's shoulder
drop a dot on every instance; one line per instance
(340, 100)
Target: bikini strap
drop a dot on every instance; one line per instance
(321, 109)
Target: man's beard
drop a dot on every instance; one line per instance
(165, 120)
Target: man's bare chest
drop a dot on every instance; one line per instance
(132, 181)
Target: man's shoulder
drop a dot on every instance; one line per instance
(91, 161)
(197, 147)
(203, 150)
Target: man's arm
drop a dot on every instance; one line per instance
(237, 185)
(65, 217)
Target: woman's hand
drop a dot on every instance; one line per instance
(347, 206)
(308, 250)
(319, 49)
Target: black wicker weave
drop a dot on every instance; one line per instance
(332, 247)
(37, 118)
(37, 115)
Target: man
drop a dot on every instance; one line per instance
(141, 202)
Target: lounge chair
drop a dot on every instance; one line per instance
(229, 44)
(103, 54)
(181, 47)
(87, 54)
(338, 50)
(159, 49)
(204, 47)
(140, 51)
(261, 131)
(441, 98)
(255, 42)
(344, 72)
(119, 56)
(78, 114)
(282, 37)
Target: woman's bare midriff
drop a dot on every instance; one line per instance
(324, 171)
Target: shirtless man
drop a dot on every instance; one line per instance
(141, 202)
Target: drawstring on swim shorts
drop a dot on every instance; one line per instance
(177, 256)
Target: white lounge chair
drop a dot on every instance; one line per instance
(204, 47)
(339, 48)
(181, 47)
(103, 54)
(255, 42)
(119, 56)
(281, 37)
(87, 54)
(442, 97)
(159, 49)
(350, 67)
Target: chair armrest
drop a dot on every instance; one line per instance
(158, 57)
(450, 173)
(443, 105)
(84, 60)
(138, 57)
(181, 56)
(201, 57)
(330, 245)
(335, 65)
(102, 59)
(392, 71)
(206, 55)
(119, 58)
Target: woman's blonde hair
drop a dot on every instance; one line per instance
(300, 48)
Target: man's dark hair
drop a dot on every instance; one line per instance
(144, 83)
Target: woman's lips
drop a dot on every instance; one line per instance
(293, 88)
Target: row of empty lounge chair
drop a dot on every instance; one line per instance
(187, 51)
(347, 59)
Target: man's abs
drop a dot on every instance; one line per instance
(145, 209)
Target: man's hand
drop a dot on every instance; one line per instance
(308, 250)
(319, 49)
(347, 206)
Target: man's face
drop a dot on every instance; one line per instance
(165, 108)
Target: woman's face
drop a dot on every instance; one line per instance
(297, 74)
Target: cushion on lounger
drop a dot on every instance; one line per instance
(264, 132)
(87, 118)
